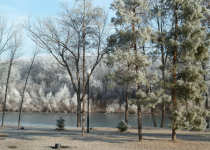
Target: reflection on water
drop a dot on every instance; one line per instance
(96, 120)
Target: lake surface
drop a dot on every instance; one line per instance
(96, 119)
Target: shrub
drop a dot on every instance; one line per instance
(60, 123)
(122, 126)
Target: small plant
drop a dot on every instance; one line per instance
(60, 123)
(123, 126)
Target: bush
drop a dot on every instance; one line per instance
(122, 126)
(60, 123)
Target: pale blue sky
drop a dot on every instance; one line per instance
(19, 10)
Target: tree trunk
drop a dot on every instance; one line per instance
(126, 104)
(5, 100)
(163, 114)
(207, 107)
(174, 74)
(139, 123)
(163, 103)
(164, 58)
(152, 110)
(78, 108)
(206, 94)
(138, 86)
(83, 87)
(153, 117)
(25, 88)
(173, 134)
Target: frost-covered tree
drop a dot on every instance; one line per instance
(205, 66)
(6, 34)
(27, 100)
(160, 52)
(126, 50)
(73, 103)
(188, 42)
(26, 81)
(64, 38)
(63, 98)
(14, 98)
(15, 44)
(52, 102)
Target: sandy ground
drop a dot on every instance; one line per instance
(42, 138)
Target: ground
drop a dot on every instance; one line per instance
(43, 138)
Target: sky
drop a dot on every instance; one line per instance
(18, 10)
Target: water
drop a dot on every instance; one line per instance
(96, 119)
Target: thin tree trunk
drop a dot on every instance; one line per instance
(163, 103)
(160, 28)
(139, 123)
(7, 84)
(206, 94)
(152, 110)
(174, 75)
(138, 87)
(25, 88)
(79, 84)
(163, 114)
(78, 107)
(79, 88)
(207, 106)
(83, 88)
(153, 117)
(126, 104)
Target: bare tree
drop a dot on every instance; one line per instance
(6, 34)
(14, 46)
(64, 38)
(32, 62)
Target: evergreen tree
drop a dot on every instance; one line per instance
(189, 44)
(60, 123)
(159, 14)
(205, 66)
(125, 47)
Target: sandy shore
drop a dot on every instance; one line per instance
(42, 138)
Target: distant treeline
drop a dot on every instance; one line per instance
(49, 89)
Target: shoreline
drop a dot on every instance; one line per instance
(143, 113)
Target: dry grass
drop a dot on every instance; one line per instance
(34, 138)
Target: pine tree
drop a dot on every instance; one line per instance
(60, 123)
(189, 44)
(125, 47)
(159, 14)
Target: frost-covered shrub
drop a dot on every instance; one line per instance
(113, 107)
(13, 99)
(26, 102)
(132, 109)
(60, 123)
(123, 126)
